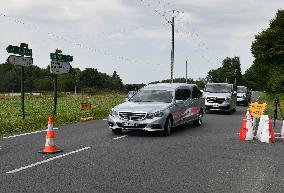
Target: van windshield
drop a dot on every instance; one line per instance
(153, 96)
(241, 89)
(218, 88)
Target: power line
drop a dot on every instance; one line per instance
(81, 45)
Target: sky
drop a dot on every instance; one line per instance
(133, 37)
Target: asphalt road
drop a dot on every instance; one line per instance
(209, 158)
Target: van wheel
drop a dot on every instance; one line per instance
(168, 127)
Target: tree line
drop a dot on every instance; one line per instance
(267, 71)
(38, 79)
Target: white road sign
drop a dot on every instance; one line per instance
(20, 60)
(57, 67)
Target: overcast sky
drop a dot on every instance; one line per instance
(133, 36)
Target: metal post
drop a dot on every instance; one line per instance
(173, 48)
(55, 94)
(186, 71)
(22, 92)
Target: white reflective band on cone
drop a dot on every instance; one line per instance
(49, 142)
(50, 127)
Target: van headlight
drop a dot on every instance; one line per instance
(156, 114)
(227, 99)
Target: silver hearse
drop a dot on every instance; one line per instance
(159, 107)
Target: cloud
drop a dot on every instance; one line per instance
(127, 35)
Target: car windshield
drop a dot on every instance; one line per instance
(241, 89)
(153, 96)
(218, 88)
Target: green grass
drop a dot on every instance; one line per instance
(39, 108)
(269, 100)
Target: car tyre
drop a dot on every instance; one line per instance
(198, 121)
(117, 131)
(168, 127)
(229, 112)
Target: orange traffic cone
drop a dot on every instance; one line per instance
(271, 132)
(50, 146)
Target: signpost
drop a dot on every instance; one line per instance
(22, 50)
(59, 65)
(20, 60)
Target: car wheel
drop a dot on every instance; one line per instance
(229, 112)
(117, 131)
(198, 121)
(168, 127)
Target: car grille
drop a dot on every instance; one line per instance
(215, 100)
(132, 116)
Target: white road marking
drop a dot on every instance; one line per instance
(23, 134)
(119, 137)
(45, 161)
(104, 119)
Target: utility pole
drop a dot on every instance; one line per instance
(186, 71)
(173, 47)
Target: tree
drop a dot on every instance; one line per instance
(268, 52)
(10, 78)
(229, 72)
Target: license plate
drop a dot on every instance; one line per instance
(215, 105)
(129, 124)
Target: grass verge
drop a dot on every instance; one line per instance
(269, 100)
(39, 108)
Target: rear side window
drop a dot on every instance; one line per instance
(183, 94)
(196, 93)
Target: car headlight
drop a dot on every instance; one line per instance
(113, 113)
(156, 114)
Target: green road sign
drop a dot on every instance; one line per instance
(61, 58)
(19, 50)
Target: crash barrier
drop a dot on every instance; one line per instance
(256, 125)
(50, 146)
(246, 130)
(257, 128)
